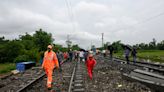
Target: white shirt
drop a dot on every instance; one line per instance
(81, 54)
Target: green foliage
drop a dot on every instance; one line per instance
(75, 47)
(152, 55)
(42, 39)
(26, 48)
(151, 45)
(21, 58)
(6, 67)
(10, 50)
(32, 54)
(57, 47)
(27, 41)
(117, 46)
(160, 45)
(64, 49)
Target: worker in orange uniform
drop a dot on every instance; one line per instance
(90, 63)
(50, 62)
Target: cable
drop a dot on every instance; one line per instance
(143, 21)
(70, 14)
(150, 18)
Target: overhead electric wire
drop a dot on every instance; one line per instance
(70, 14)
(150, 18)
(143, 21)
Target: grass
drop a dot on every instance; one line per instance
(152, 55)
(6, 67)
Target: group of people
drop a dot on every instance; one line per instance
(127, 52)
(54, 60)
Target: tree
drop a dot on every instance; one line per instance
(57, 47)
(75, 47)
(152, 45)
(27, 41)
(10, 51)
(25, 37)
(160, 45)
(2, 40)
(117, 46)
(42, 39)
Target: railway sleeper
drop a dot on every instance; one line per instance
(152, 80)
(79, 90)
(77, 86)
(78, 81)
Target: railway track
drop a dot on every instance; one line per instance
(17, 82)
(77, 79)
(31, 83)
(60, 81)
(69, 80)
(148, 66)
(146, 73)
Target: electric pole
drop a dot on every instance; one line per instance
(102, 40)
(68, 42)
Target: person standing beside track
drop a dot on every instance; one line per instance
(60, 59)
(70, 55)
(90, 63)
(50, 62)
(76, 55)
(127, 52)
(134, 54)
(86, 55)
(65, 54)
(81, 54)
(111, 49)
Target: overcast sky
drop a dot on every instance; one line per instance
(131, 21)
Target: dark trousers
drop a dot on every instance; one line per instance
(111, 56)
(127, 59)
(70, 58)
(134, 59)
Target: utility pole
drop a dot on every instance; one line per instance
(102, 40)
(68, 42)
(91, 44)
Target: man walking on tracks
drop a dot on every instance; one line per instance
(50, 61)
(127, 52)
(134, 54)
(90, 63)
(111, 49)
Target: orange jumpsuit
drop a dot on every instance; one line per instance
(50, 61)
(90, 63)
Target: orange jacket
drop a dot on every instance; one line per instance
(50, 60)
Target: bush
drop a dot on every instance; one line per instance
(21, 58)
